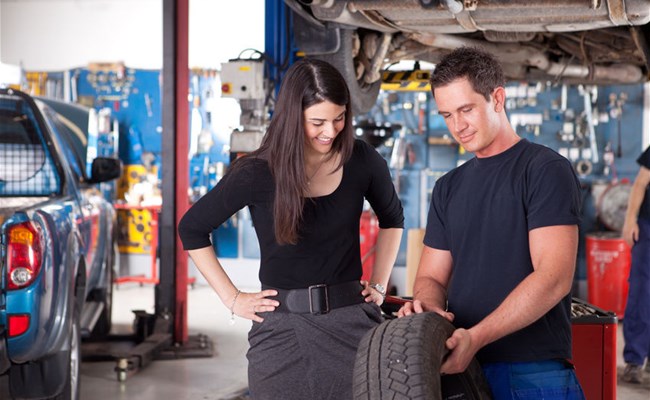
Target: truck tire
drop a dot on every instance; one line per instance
(401, 358)
(103, 326)
(363, 95)
(71, 389)
(55, 377)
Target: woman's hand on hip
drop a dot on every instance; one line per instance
(249, 304)
(371, 294)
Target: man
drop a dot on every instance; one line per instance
(501, 241)
(636, 232)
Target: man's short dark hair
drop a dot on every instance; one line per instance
(481, 69)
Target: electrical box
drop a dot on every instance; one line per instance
(243, 79)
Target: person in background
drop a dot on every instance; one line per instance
(501, 241)
(636, 233)
(305, 189)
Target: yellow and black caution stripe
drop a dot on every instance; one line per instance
(416, 80)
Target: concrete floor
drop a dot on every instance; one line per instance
(624, 390)
(222, 376)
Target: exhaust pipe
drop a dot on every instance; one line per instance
(620, 73)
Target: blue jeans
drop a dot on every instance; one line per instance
(548, 380)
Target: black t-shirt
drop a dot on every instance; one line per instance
(482, 212)
(644, 161)
(328, 250)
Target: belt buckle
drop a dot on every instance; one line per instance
(320, 309)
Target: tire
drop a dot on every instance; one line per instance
(363, 95)
(55, 377)
(401, 358)
(72, 385)
(103, 326)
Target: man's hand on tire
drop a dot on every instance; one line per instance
(461, 352)
(416, 307)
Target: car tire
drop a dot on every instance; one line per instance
(401, 358)
(363, 95)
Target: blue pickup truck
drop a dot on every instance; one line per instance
(57, 245)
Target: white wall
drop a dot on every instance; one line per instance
(1, 31)
(220, 30)
(55, 35)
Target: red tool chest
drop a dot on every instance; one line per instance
(594, 349)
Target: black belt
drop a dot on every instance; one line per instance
(318, 299)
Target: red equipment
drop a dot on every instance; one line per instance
(368, 231)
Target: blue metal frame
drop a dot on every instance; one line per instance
(278, 40)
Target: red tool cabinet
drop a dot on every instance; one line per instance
(594, 350)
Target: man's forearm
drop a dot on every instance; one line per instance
(533, 298)
(637, 194)
(431, 293)
(634, 202)
(553, 253)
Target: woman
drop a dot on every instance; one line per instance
(305, 188)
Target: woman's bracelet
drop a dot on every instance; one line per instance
(379, 288)
(232, 307)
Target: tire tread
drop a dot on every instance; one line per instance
(401, 358)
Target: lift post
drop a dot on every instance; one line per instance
(164, 334)
(171, 291)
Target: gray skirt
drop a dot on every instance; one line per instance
(304, 356)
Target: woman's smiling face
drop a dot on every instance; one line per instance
(323, 122)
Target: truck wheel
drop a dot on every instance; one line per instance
(103, 326)
(72, 384)
(363, 95)
(401, 358)
(58, 373)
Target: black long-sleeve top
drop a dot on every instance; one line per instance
(328, 249)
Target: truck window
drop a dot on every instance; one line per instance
(26, 167)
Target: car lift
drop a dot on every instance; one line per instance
(164, 334)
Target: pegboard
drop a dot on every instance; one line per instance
(134, 98)
(543, 114)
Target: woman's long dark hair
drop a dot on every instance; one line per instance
(306, 83)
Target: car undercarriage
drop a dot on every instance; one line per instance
(569, 41)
